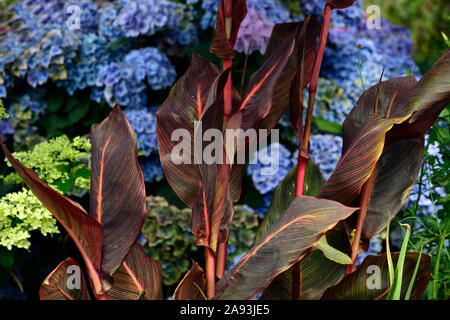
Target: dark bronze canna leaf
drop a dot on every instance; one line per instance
(66, 282)
(284, 194)
(227, 29)
(301, 60)
(400, 162)
(398, 169)
(340, 4)
(257, 100)
(180, 110)
(192, 286)
(84, 230)
(117, 188)
(426, 100)
(371, 280)
(392, 90)
(318, 273)
(285, 242)
(138, 278)
(359, 161)
(213, 202)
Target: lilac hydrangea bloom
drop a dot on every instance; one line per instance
(254, 33)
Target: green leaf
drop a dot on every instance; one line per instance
(413, 278)
(327, 126)
(332, 253)
(394, 293)
(55, 100)
(6, 258)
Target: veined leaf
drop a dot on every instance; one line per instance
(396, 286)
(117, 188)
(389, 92)
(318, 273)
(192, 286)
(359, 161)
(371, 280)
(66, 282)
(302, 59)
(84, 230)
(227, 29)
(331, 252)
(138, 278)
(213, 210)
(285, 243)
(400, 162)
(180, 110)
(426, 100)
(284, 194)
(398, 169)
(257, 100)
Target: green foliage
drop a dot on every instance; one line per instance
(294, 7)
(59, 162)
(170, 241)
(425, 20)
(3, 114)
(432, 232)
(20, 213)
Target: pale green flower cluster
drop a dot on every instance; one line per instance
(3, 114)
(20, 213)
(56, 161)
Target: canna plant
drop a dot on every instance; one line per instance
(307, 244)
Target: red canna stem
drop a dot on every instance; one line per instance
(315, 75)
(301, 169)
(364, 204)
(297, 270)
(221, 259)
(227, 90)
(228, 96)
(302, 161)
(365, 195)
(210, 261)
